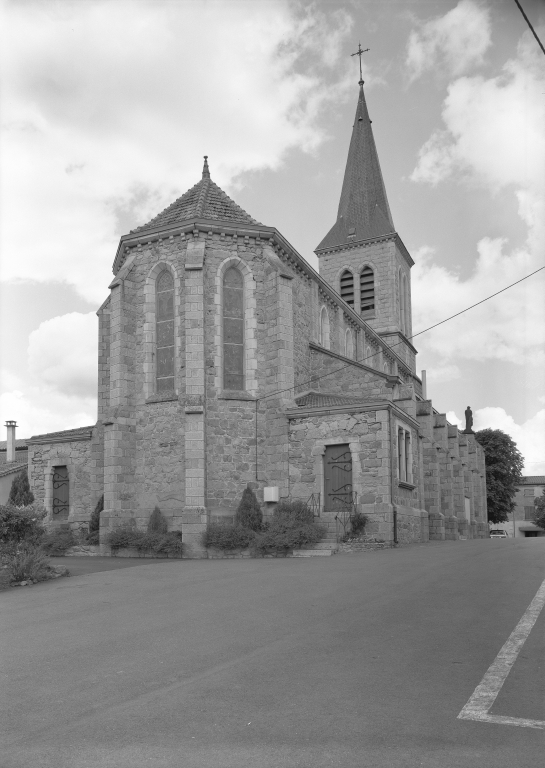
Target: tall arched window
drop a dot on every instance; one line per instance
(367, 290)
(368, 356)
(233, 330)
(347, 287)
(164, 318)
(324, 328)
(349, 343)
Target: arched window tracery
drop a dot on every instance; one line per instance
(324, 328)
(233, 330)
(164, 332)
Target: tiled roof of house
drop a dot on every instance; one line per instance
(19, 445)
(323, 399)
(203, 201)
(13, 468)
(66, 434)
(533, 480)
(363, 212)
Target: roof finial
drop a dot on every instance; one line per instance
(359, 53)
(206, 169)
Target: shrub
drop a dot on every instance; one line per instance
(249, 514)
(358, 523)
(156, 543)
(93, 538)
(57, 541)
(284, 534)
(227, 536)
(20, 494)
(27, 562)
(21, 523)
(296, 511)
(157, 522)
(94, 522)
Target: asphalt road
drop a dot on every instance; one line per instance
(352, 660)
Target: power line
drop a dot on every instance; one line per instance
(317, 378)
(529, 24)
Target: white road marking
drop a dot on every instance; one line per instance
(485, 694)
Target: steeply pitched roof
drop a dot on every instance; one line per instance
(325, 399)
(363, 212)
(203, 201)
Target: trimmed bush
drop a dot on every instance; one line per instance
(27, 562)
(296, 512)
(57, 541)
(155, 543)
(285, 533)
(93, 538)
(223, 536)
(20, 494)
(157, 522)
(21, 523)
(249, 514)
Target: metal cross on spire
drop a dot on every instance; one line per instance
(360, 53)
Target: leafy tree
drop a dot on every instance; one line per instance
(157, 523)
(20, 494)
(539, 514)
(504, 464)
(249, 514)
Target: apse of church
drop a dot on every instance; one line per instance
(225, 360)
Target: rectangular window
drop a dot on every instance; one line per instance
(529, 513)
(528, 491)
(404, 456)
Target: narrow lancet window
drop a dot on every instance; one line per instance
(367, 290)
(164, 317)
(324, 328)
(347, 287)
(233, 330)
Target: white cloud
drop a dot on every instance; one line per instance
(109, 107)
(529, 436)
(494, 136)
(63, 354)
(452, 43)
(61, 390)
(440, 373)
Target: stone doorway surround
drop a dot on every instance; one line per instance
(318, 452)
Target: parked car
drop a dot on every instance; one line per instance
(498, 533)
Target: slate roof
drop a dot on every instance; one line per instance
(203, 201)
(66, 434)
(363, 212)
(319, 399)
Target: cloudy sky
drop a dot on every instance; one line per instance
(109, 105)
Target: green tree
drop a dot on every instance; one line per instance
(504, 464)
(20, 494)
(249, 514)
(157, 523)
(539, 514)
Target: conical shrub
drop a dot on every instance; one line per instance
(249, 514)
(20, 494)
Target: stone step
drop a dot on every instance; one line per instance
(312, 552)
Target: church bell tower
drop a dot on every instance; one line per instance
(362, 257)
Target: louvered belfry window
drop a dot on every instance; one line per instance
(367, 290)
(347, 287)
(233, 330)
(164, 316)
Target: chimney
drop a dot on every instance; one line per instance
(10, 426)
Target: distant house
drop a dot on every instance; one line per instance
(8, 469)
(522, 525)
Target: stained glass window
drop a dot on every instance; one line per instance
(164, 316)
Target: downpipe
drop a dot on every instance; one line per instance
(392, 476)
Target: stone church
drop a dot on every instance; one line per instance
(225, 360)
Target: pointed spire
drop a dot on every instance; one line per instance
(363, 212)
(206, 169)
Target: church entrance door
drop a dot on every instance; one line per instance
(338, 496)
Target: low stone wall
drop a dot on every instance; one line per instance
(363, 544)
(131, 552)
(83, 550)
(227, 554)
